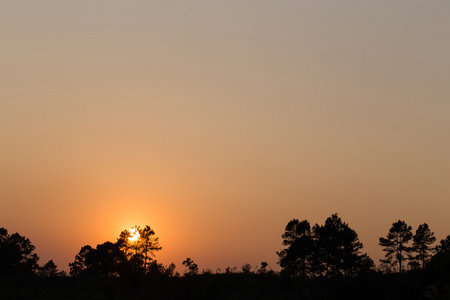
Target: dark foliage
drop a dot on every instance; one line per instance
(421, 248)
(50, 270)
(439, 267)
(126, 258)
(139, 253)
(17, 257)
(395, 244)
(105, 260)
(295, 259)
(330, 250)
(191, 267)
(337, 250)
(444, 245)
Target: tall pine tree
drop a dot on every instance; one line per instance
(395, 244)
(337, 248)
(295, 258)
(421, 248)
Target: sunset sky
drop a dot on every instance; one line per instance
(217, 122)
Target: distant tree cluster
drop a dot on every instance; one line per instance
(127, 257)
(333, 249)
(398, 251)
(329, 250)
(17, 257)
(444, 245)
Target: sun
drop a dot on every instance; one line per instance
(134, 234)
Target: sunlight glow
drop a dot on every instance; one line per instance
(134, 234)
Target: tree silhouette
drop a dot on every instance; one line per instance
(109, 259)
(365, 264)
(141, 251)
(295, 259)
(191, 267)
(155, 269)
(50, 270)
(148, 243)
(126, 257)
(246, 268)
(395, 244)
(105, 260)
(337, 248)
(444, 245)
(263, 268)
(422, 241)
(17, 255)
(329, 250)
(81, 262)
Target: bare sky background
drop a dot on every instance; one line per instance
(217, 122)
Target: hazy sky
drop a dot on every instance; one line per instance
(217, 122)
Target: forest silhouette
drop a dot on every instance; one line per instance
(317, 262)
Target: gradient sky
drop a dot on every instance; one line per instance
(217, 122)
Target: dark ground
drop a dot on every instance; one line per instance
(412, 285)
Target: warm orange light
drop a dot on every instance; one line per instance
(134, 234)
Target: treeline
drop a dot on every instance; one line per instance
(329, 250)
(17, 257)
(334, 249)
(130, 256)
(317, 262)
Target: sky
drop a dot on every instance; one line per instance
(217, 122)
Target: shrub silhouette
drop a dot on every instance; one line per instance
(191, 267)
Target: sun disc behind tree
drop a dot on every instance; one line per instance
(134, 234)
